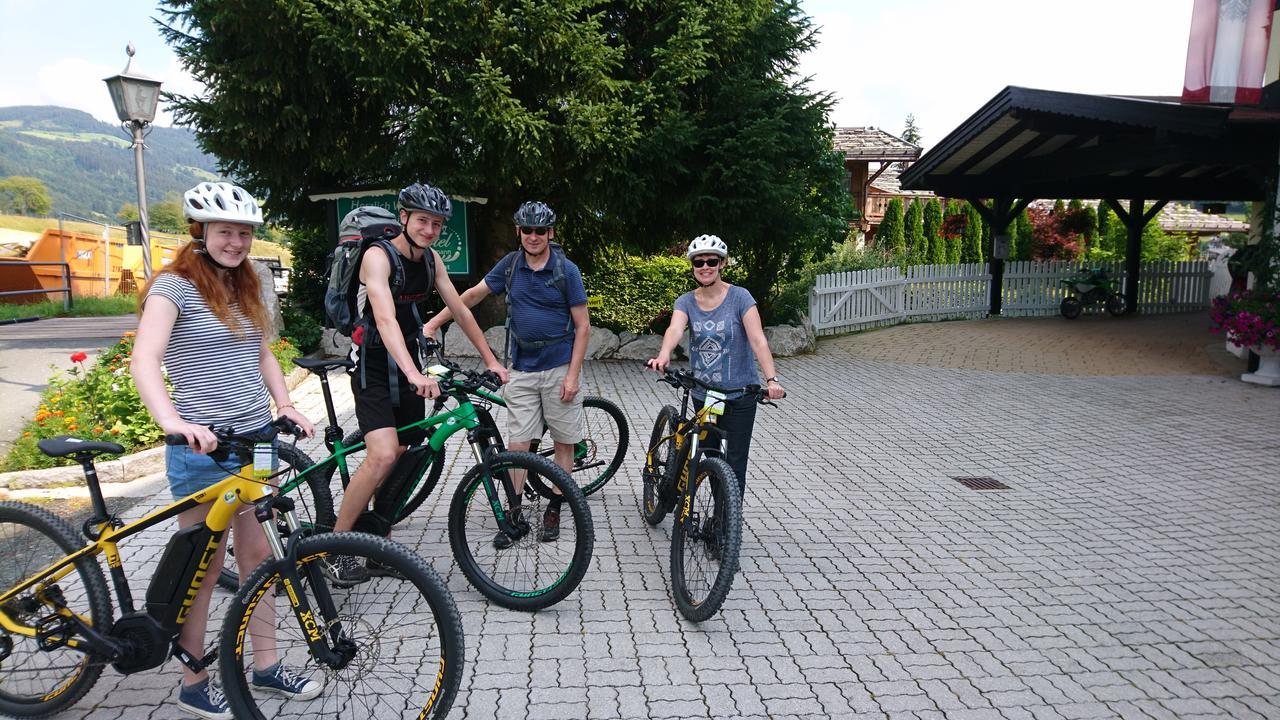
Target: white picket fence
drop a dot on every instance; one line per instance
(844, 302)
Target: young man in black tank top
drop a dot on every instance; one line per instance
(385, 401)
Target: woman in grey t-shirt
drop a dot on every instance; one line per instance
(726, 341)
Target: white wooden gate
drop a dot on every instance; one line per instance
(847, 301)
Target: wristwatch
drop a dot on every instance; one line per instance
(773, 379)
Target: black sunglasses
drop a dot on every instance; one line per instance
(708, 262)
(533, 230)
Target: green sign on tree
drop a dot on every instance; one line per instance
(453, 244)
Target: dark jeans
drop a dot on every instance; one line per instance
(737, 422)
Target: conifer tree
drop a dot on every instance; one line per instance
(914, 233)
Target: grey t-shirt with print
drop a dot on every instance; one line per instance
(719, 352)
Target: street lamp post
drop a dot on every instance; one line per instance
(135, 97)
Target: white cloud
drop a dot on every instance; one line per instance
(78, 83)
(942, 61)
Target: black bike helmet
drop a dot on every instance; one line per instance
(421, 196)
(535, 213)
(368, 221)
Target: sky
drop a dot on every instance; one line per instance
(939, 60)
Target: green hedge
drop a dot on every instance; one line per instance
(636, 292)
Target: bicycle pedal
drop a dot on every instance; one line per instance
(53, 632)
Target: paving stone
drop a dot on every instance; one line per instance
(1130, 572)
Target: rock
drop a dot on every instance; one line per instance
(267, 288)
(642, 348)
(602, 344)
(787, 340)
(625, 337)
(456, 343)
(334, 344)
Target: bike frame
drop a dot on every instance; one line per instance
(226, 499)
(688, 436)
(439, 427)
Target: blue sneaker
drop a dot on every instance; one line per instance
(204, 700)
(281, 680)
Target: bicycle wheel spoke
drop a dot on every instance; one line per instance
(392, 645)
(35, 681)
(525, 572)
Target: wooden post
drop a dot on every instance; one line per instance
(1002, 212)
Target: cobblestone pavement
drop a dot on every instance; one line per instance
(1131, 570)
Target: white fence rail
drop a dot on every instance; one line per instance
(844, 302)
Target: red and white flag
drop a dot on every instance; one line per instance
(1227, 50)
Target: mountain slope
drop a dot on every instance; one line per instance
(88, 164)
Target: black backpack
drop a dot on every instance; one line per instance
(343, 289)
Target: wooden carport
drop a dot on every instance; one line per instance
(1026, 144)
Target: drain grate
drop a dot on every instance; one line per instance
(980, 483)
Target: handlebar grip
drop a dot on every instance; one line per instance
(287, 426)
(175, 439)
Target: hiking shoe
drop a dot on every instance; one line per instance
(346, 571)
(377, 569)
(550, 525)
(515, 516)
(281, 680)
(205, 700)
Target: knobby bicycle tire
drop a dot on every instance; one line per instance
(659, 467)
(530, 574)
(705, 543)
(31, 539)
(315, 512)
(402, 629)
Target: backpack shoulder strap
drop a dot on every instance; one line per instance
(396, 280)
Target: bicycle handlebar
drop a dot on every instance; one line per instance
(686, 380)
(229, 440)
(468, 380)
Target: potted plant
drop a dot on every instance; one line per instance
(1251, 318)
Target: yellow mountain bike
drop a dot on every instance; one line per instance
(391, 647)
(685, 472)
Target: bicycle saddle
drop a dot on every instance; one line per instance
(65, 445)
(323, 365)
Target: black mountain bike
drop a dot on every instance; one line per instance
(391, 647)
(685, 471)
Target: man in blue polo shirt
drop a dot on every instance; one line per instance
(548, 332)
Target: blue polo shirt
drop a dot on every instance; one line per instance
(539, 311)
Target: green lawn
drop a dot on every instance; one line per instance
(82, 307)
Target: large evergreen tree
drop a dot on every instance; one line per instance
(935, 247)
(640, 123)
(913, 232)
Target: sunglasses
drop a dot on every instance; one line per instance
(533, 231)
(706, 262)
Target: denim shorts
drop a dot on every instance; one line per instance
(190, 472)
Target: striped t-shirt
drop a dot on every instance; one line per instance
(216, 375)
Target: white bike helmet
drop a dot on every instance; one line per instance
(221, 202)
(707, 245)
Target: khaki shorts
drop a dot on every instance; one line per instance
(533, 403)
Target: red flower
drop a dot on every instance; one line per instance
(79, 357)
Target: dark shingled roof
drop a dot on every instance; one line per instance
(868, 143)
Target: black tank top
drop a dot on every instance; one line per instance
(415, 291)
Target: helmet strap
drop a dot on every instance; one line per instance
(203, 251)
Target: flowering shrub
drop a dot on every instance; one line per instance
(285, 352)
(94, 403)
(1250, 318)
